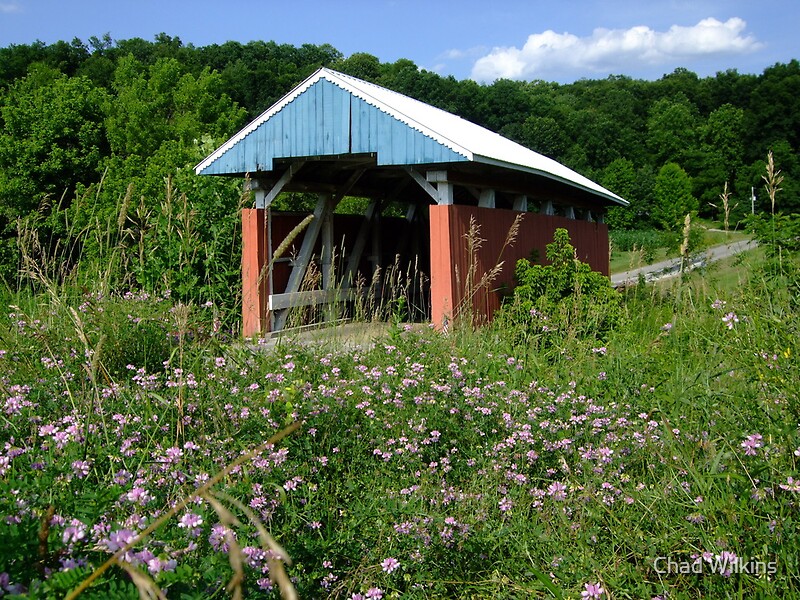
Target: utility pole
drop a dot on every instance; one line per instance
(752, 201)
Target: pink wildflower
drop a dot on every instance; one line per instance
(751, 443)
(593, 590)
(390, 564)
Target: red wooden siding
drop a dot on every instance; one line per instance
(450, 262)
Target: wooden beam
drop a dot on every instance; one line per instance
(325, 207)
(253, 290)
(377, 250)
(308, 298)
(324, 204)
(327, 250)
(444, 191)
(532, 185)
(423, 183)
(263, 198)
(402, 243)
(436, 176)
(359, 244)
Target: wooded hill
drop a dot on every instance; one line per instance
(130, 113)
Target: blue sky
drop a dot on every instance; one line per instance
(557, 40)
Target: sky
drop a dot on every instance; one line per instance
(558, 40)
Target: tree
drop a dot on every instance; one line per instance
(565, 295)
(52, 139)
(671, 130)
(362, 65)
(721, 153)
(164, 103)
(775, 109)
(620, 178)
(673, 198)
(544, 135)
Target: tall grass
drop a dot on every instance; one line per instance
(147, 453)
(468, 465)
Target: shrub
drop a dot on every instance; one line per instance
(574, 300)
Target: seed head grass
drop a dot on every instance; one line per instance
(415, 465)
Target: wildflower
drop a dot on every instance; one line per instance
(191, 522)
(593, 590)
(730, 320)
(81, 468)
(604, 454)
(557, 490)
(727, 560)
(791, 485)
(118, 540)
(695, 518)
(505, 504)
(751, 443)
(718, 304)
(374, 593)
(157, 565)
(390, 564)
(666, 328)
(75, 532)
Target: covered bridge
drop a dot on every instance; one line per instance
(335, 136)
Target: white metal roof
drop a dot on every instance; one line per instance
(472, 141)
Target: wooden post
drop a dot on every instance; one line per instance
(254, 292)
(443, 285)
(360, 243)
(324, 205)
(326, 259)
(487, 199)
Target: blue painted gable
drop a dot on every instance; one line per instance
(326, 120)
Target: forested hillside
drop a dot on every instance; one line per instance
(99, 139)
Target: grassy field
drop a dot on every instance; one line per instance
(658, 461)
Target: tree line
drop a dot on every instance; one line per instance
(98, 140)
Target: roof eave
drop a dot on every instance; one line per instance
(602, 192)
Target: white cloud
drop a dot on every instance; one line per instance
(10, 7)
(614, 50)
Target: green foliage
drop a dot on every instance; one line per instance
(52, 139)
(778, 234)
(575, 301)
(620, 178)
(635, 239)
(672, 130)
(163, 102)
(672, 197)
